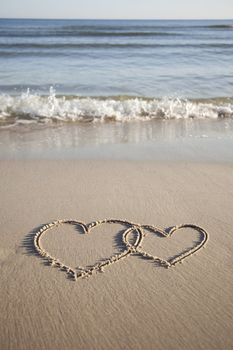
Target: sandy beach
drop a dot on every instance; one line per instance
(116, 175)
(134, 304)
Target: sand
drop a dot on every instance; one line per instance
(135, 303)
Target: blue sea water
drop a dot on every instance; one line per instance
(85, 70)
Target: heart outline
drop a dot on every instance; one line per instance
(131, 249)
(87, 229)
(170, 262)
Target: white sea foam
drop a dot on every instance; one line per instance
(31, 108)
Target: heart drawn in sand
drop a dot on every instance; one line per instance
(131, 248)
(179, 256)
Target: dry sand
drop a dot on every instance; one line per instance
(134, 304)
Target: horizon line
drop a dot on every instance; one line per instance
(121, 19)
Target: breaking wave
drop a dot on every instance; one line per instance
(33, 108)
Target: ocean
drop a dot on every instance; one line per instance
(58, 71)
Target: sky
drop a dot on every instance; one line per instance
(117, 9)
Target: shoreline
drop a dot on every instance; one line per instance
(160, 140)
(134, 303)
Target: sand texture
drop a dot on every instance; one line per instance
(126, 287)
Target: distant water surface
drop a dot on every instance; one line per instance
(93, 70)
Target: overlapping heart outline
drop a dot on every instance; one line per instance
(130, 248)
